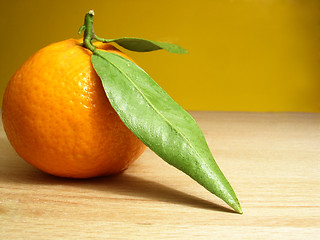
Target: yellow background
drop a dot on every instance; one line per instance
(245, 55)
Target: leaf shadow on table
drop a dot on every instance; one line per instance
(140, 188)
(125, 185)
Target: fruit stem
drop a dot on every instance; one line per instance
(88, 31)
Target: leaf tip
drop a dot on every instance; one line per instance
(238, 208)
(184, 51)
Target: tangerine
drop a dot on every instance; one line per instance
(58, 118)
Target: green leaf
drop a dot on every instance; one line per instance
(143, 45)
(161, 124)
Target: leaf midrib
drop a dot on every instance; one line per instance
(150, 103)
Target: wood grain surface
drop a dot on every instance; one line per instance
(271, 159)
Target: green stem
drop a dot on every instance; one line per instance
(88, 31)
(102, 39)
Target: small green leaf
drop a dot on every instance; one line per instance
(163, 125)
(143, 45)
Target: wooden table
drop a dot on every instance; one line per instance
(271, 159)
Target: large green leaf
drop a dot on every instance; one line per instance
(144, 45)
(161, 124)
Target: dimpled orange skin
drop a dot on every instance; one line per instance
(58, 118)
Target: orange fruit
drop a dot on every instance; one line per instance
(58, 118)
